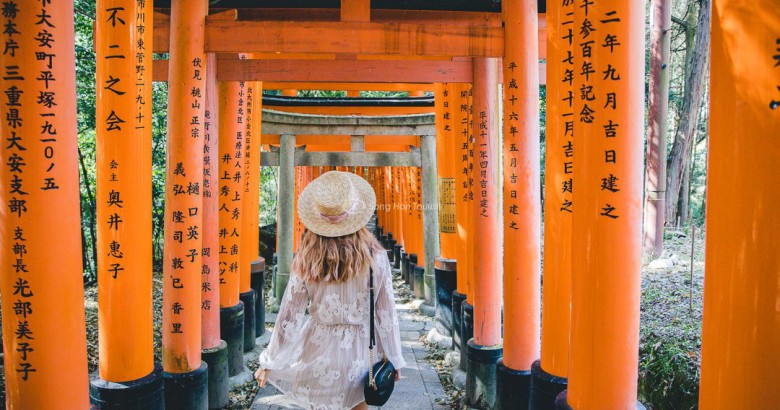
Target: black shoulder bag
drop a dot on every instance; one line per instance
(381, 375)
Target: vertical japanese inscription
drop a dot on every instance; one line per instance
(40, 227)
(183, 260)
(124, 186)
(231, 161)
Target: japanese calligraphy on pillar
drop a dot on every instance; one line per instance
(209, 295)
(18, 133)
(42, 272)
(183, 260)
(564, 109)
(231, 160)
(773, 104)
(610, 69)
(123, 161)
(123, 91)
(511, 130)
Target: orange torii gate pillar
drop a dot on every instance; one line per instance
(214, 349)
(548, 375)
(127, 375)
(485, 348)
(232, 121)
(607, 217)
(740, 332)
(445, 264)
(41, 283)
(185, 375)
(522, 205)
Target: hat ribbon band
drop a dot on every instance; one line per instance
(340, 217)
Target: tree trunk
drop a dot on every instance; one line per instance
(694, 83)
(655, 177)
(685, 190)
(91, 212)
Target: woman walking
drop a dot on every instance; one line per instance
(321, 360)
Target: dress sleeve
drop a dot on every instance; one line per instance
(288, 327)
(386, 316)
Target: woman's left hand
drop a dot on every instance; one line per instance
(261, 377)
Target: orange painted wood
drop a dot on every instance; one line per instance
(522, 194)
(182, 258)
(607, 219)
(445, 164)
(382, 73)
(558, 195)
(124, 191)
(741, 327)
(360, 111)
(346, 71)
(462, 134)
(355, 10)
(232, 130)
(210, 330)
(250, 242)
(276, 85)
(399, 205)
(290, 92)
(488, 247)
(346, 37)
(41, 279)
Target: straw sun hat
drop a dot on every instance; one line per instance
(336, 204)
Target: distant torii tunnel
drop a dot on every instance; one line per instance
(456, 168)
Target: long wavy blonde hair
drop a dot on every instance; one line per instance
(338, 259)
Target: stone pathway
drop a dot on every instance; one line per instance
(419, 387)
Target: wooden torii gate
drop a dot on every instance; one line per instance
(287, 157)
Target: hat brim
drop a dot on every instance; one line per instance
(361, 213)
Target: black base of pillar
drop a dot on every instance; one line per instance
(378, 233)
(446, 282)
(141, 394)
(562, 404)
(513, 388)
(457, 319)
(383, 241)
(231, 330)
(419, 282)
(481, 377)
(391, 251)
(467, 332)
(219, 382)
(258, 284)
(405, 267)
(249, 299)
(410, 270)
(397, 256)
(187, 391)
(544, 388)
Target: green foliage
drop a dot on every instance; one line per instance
(668, 373)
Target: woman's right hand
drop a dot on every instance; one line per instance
(397, 375)
(260, 376)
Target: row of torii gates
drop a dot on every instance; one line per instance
(483, 157)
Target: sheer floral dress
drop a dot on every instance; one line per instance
(321, 359)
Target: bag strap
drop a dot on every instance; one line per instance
(372, 338)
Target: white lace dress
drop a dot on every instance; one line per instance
(321, 359)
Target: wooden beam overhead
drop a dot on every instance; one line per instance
(336, 71)
(344, 37)
(328, 72)
(300, 85)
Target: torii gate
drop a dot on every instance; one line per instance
(288, 126)
(588, 343)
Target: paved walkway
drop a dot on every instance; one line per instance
(419, 387)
